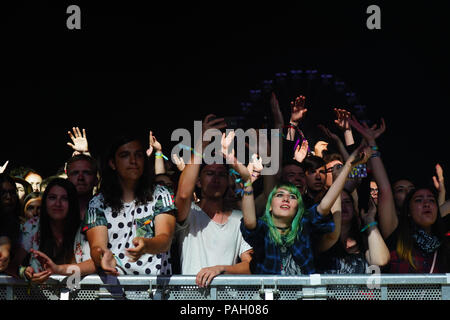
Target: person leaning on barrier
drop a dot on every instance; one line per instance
(130, 223)
(208, 234)
(53, 239)
(281, 239)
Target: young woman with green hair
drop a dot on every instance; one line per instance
(282, 238)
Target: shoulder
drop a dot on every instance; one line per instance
(96, 201)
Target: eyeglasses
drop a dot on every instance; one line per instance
(373, 190)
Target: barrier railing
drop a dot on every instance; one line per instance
(236, 287)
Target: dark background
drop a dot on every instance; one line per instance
(161, 67)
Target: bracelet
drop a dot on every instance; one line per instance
(159, 155)
(374, 148)
(247, 193)
(372, 224)
(248, 184)
(375, 154)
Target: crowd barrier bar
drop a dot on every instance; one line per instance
(234, 287)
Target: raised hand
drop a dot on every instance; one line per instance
(153, 144)
(226, 142)
(255, 167)
(369, 216)
(369, 133)
(320, 147)
(179, 162)
(342, 120)
(301, 152)
(298, 109)
(439, 180)
(3, 167)
(80, 143)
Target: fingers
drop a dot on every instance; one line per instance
(41, 277)
(436, 183)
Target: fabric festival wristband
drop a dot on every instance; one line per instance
(247, 184)
(372, 224)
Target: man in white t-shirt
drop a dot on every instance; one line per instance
(209, 238)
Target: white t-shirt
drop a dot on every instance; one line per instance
(206, 243)
(131, 222)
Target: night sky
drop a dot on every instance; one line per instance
(162, 67)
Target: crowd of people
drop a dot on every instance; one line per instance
(137, 212)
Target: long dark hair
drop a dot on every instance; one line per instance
(405, 242)
(110, 186)
(10, 224)
(47, 244)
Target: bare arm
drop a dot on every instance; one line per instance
(329, 239)
(101, 256)
(378, 252)
(206, 275)
(387, 215)
(189, 176)
(335, 190)
(164, 230)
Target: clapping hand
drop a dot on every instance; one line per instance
(255, 167)
(153, 144)
(301, 152)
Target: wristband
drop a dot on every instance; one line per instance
(247, 193)
(374, 148)
(247, 184)
(372, 224)
(375, 154)
(159, 155)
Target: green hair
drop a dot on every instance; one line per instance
(296, 225)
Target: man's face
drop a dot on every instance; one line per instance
(129, 161)
(213, 181)
(401, 188)
(82, 175)
(295, 175)
(35, 181)
(315, 179)
(374, 191)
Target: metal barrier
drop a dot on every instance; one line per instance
(236, 287)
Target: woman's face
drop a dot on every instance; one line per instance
(33, 208)
(57, 203)
(284, 204)
(347, 207)
(423, 208)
